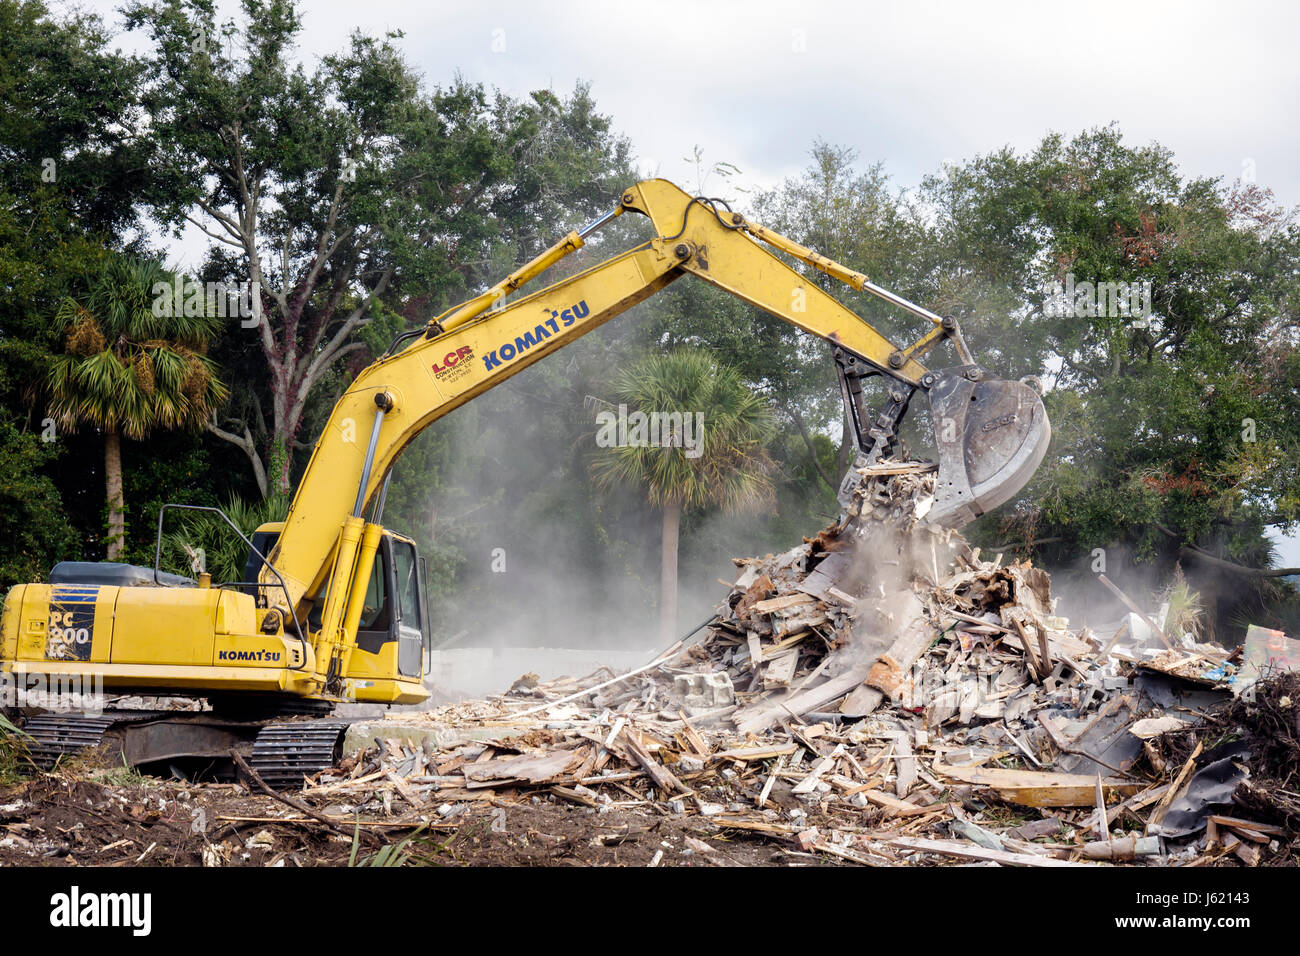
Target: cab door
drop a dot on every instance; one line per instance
(408, 593)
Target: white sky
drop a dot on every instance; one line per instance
(909, 83)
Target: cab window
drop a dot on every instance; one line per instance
(376, 599)
(408, 589)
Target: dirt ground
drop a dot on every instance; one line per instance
(61, 820)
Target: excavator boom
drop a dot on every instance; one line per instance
(991, 434)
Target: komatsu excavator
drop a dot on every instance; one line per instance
(332, 608)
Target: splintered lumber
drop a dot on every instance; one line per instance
(781, 603)
(969, 851)
(1034, 788)
(1128, 603)
(692, 736)
(896, 807)
(660, 775)
(861, 702)
(890, 671)
(257, 781)
(757, 718)
(755, 753)
(809, 783)
(901, 468)
(1158, 814)
(1038, 666)
(665, 656)
(822, 847)
(531, 768)
(904, 764)
(778, 672)
(771, 779)
(1236, 823)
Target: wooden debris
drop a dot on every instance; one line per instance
(1034, 788)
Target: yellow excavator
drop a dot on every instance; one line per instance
(332, 608)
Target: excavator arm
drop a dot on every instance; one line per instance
(991, 434)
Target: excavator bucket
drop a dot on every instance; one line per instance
(991, 436)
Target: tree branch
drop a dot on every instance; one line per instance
(1189, 550)
(213, 235)
(807, 440)
(249, 447)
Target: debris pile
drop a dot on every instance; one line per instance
(879, 694)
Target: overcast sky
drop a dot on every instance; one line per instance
(912, 84)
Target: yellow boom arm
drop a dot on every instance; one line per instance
(481, 343)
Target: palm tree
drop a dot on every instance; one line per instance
(128, 371)
(728, 467)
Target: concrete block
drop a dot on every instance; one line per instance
(704, 690)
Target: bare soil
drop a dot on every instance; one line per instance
(61, 820)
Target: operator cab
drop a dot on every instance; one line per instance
(395, 608)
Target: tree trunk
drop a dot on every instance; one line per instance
(668, 573)
(113, 483)
(808, 443)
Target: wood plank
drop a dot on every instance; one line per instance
(899, 468)
(904, 764)
(661, 776)
(757, 718)
(1239, 824)
(693, 736)
(897, 808)
(779, 672)
(1158, 814)
(809, 783)
(782, 602)
(755, 753)
(1035, 788)
(1128, 603)
(532, 768)
(890, 671)
(969, 851)
(771, 779)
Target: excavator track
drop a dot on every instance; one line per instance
(282, 751)
(54, 736)
(288, 751)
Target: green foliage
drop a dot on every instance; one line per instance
(730, 467)
(412, 848)
(66, 133)
(13, 762)
(122, 775)
(71, 177)
(126, 368)
(205, 534)
(34, 530)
